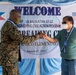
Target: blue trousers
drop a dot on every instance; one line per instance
(68, 67)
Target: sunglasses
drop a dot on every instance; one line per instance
(63, 22)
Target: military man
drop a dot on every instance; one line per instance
(10, 41)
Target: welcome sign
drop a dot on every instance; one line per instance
(39, 10)
(39, 18)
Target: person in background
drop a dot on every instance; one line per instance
(67, 42)
(10, 41)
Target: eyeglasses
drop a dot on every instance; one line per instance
(63, 22)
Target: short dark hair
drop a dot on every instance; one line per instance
(69, 18)
(13, 11)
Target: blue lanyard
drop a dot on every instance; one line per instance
(12, 22)
(65, 42)
(70, 34)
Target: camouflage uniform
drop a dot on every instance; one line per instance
(10, 40)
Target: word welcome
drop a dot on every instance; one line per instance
(39, 10)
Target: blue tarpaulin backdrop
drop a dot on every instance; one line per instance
(48, 66)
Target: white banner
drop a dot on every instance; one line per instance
(35, 18)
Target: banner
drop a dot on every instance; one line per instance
(36, 18)
(51, 64)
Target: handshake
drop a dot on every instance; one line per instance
(42, 35)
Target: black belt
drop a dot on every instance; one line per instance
(69, 59)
